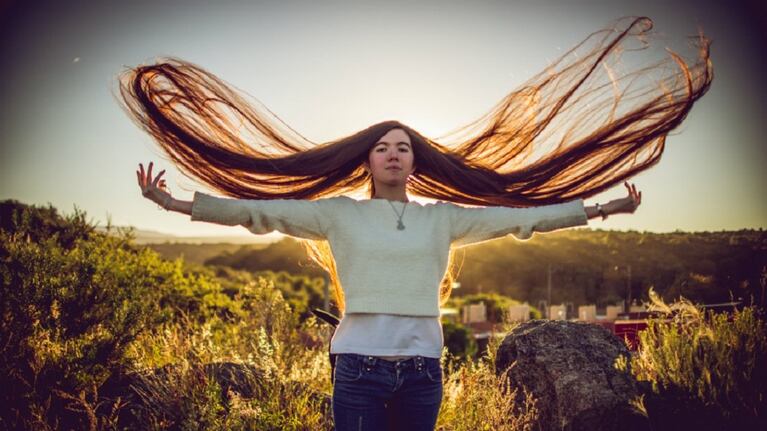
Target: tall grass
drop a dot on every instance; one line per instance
(291, 389)
(478, 398)
(286, 380)
(715, 359)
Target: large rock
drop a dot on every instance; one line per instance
(570, 369)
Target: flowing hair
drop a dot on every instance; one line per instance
(577, 128)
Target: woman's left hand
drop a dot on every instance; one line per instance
(628, 204)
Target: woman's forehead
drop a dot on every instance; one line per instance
(394, 136)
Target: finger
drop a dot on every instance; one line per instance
(141, 166)
(149, 171)
(157, 180)
(138, 177)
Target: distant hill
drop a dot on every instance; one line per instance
(194, 249)
(586, 266)
(154, 237)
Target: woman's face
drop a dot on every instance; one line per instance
(391, 159)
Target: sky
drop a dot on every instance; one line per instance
(330, 68)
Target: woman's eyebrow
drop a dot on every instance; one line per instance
(398, 143)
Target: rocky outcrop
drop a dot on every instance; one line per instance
(571, 370)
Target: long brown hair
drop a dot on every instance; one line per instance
(591, 126)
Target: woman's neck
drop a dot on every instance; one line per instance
(391, 194)
(401, 199)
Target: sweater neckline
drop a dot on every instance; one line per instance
(384, 201)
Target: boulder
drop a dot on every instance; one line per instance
(570, 369)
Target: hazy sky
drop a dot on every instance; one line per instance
(329, 68)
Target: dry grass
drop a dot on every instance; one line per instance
(293, 385)
(716, 359)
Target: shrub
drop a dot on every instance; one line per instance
(713, 360)
(288, 381)
(72, 301)
(459, 340)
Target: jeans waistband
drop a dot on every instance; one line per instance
(416, 362)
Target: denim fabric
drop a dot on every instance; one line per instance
(371, 393)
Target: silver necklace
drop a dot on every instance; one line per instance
(400, 225)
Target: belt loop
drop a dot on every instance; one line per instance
(369, 361)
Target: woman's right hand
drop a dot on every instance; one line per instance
(153, 189)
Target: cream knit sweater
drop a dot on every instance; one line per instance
(382, 269)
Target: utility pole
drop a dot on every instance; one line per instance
(763, 282)
(548, 283)
(327, 292)
(628, 287)
(627, 307)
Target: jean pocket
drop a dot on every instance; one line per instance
(434, 372)
(348, 369)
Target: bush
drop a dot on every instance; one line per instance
(72, 301)
(710, 361)
(288, 380)
(459, 340)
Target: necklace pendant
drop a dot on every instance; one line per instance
(400, 226)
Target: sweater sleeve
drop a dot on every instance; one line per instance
(472, 225)
(299, 218)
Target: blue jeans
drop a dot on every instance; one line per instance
(373, 394)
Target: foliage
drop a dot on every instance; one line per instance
(302, 292)
(590, 266)
(458, 340)
(80, 310)
(714, 359)
(478, 398)
(288, 379)
(72, 301)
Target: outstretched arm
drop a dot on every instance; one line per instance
(472, 225)
(626, 205)
(309, 219)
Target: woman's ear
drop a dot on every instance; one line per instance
(366, 166)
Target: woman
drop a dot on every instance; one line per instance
(389, 257)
